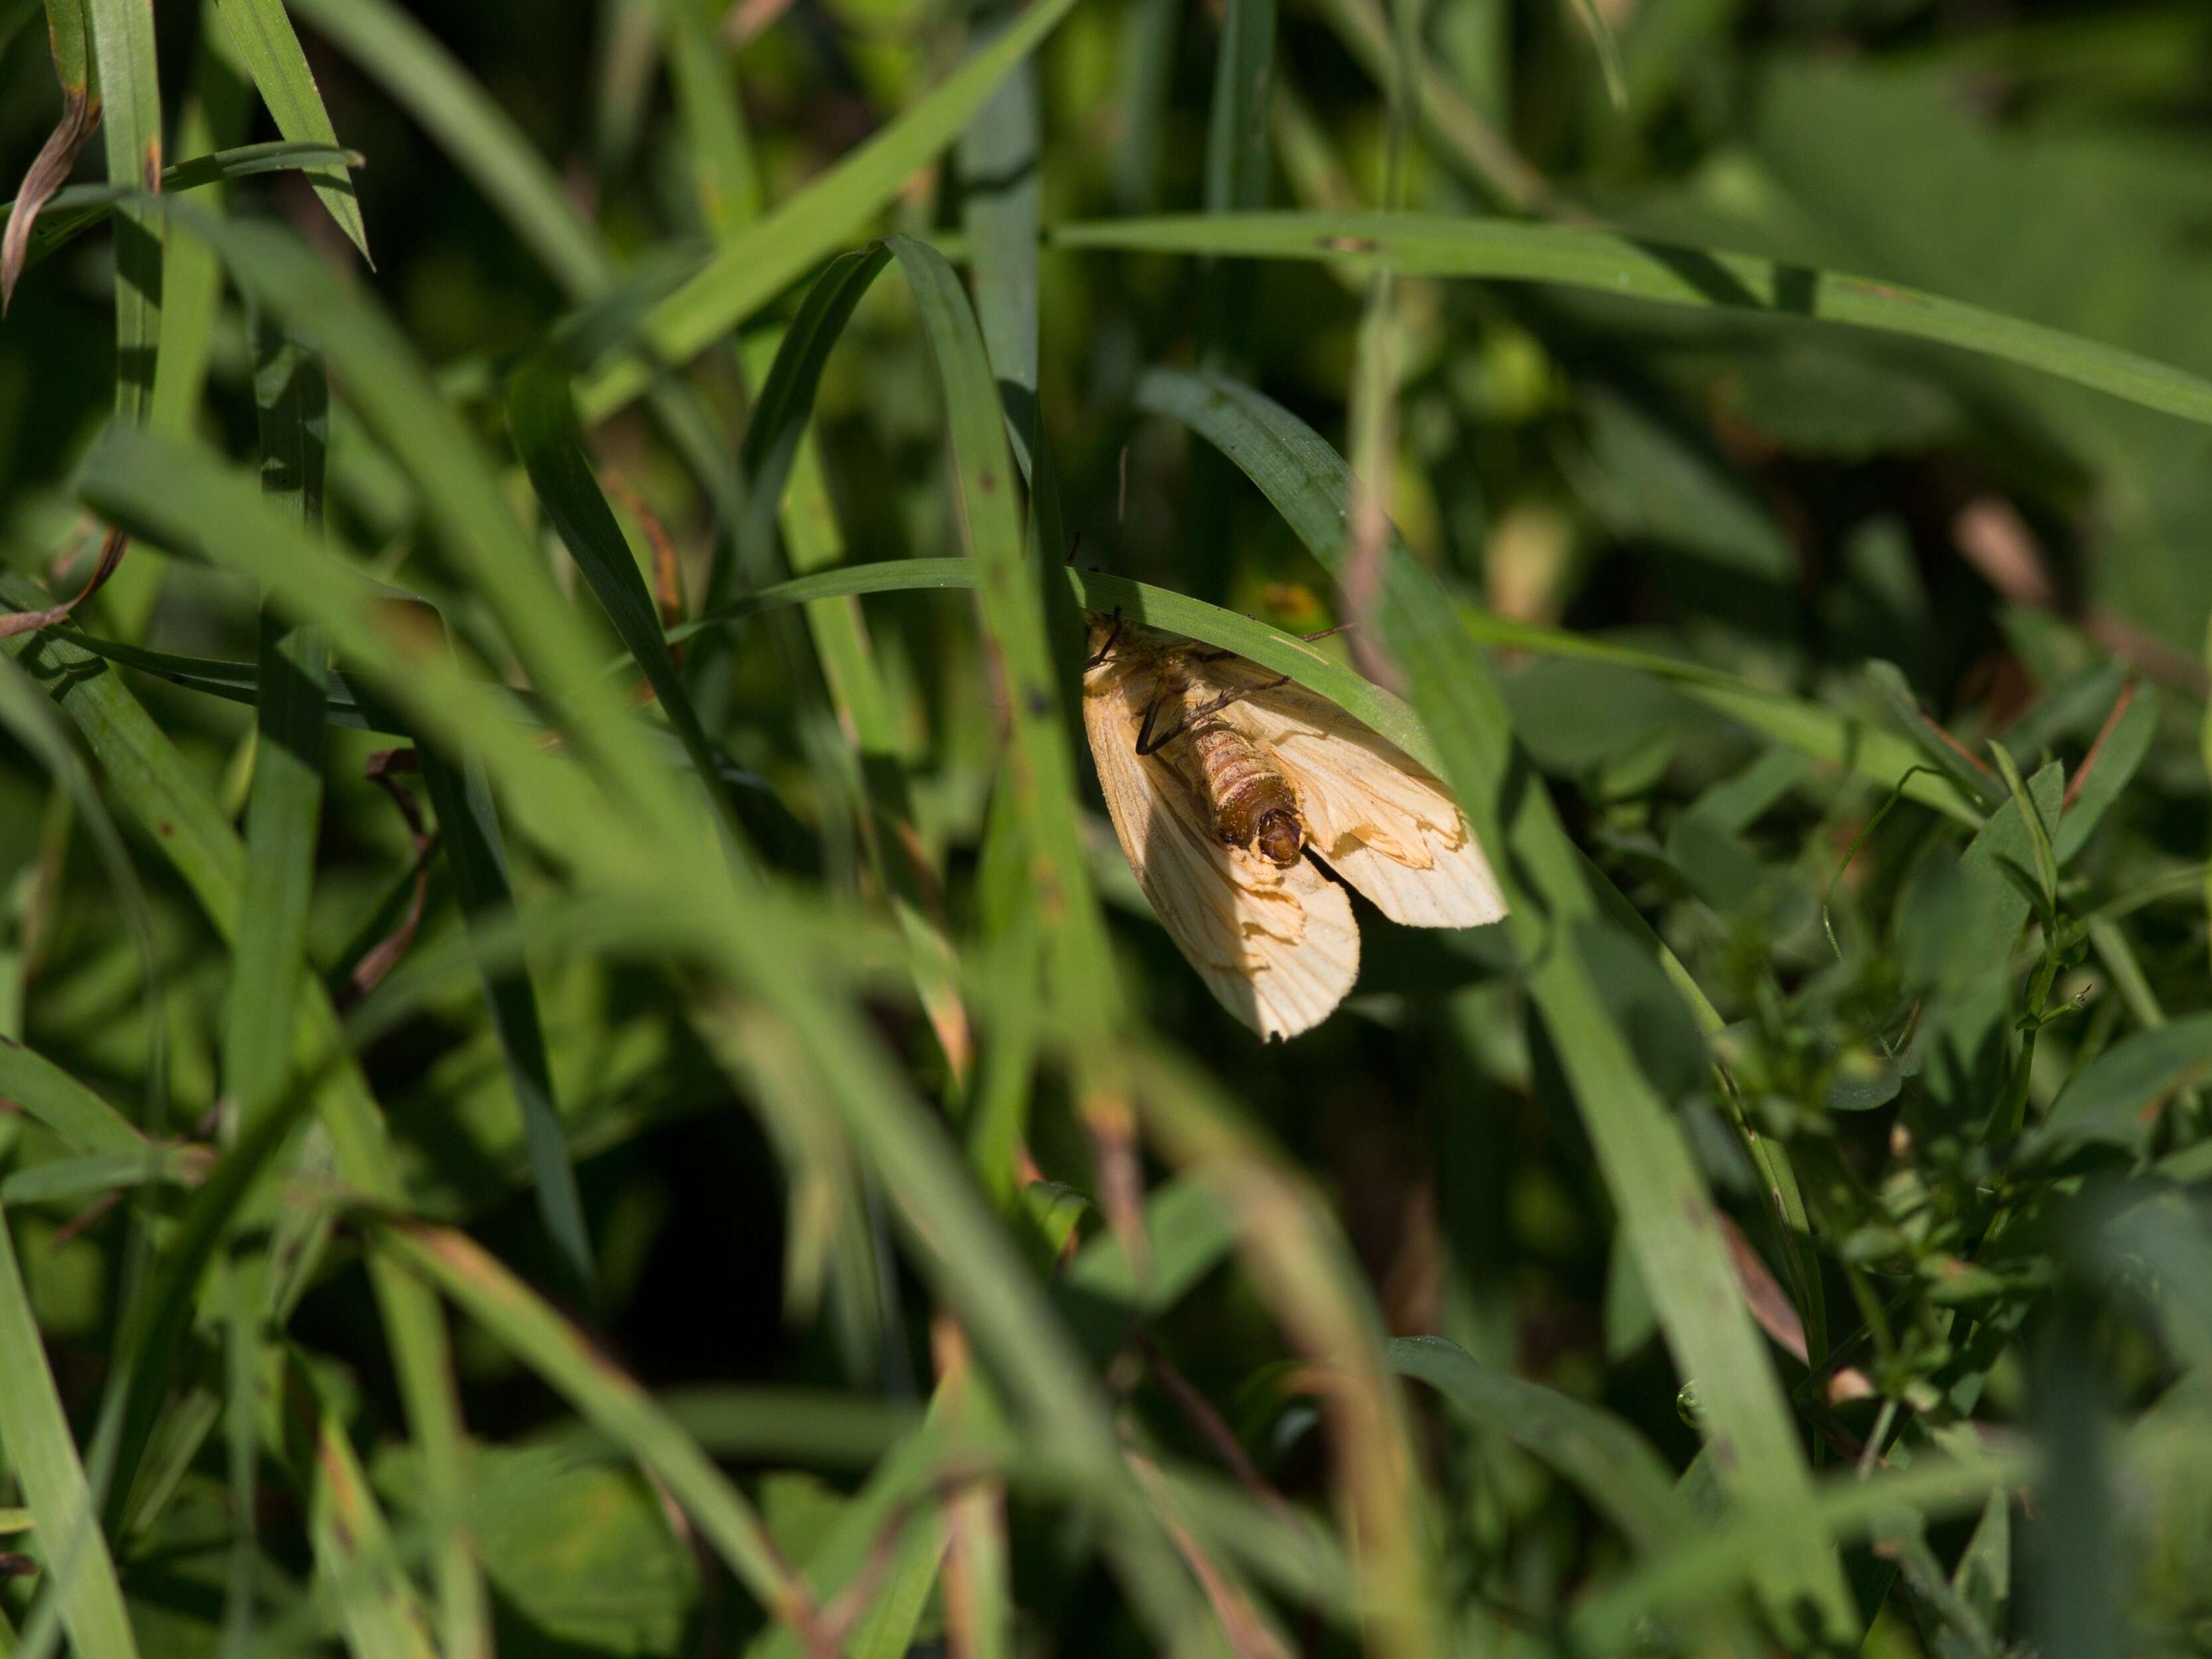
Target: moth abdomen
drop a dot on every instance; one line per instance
(1252, 802)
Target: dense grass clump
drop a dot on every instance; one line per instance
(584, 1075)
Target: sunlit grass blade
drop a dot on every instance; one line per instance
(355, 1556)
(1577, 963)
(130, 107)
(1012, 596)
(753, 268)
(264, 39)
(41, 1455)
(1633, 267)
(1814, 728)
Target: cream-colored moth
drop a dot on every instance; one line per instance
(1225, 783)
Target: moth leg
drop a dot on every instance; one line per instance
(1099, 657)
(1148, 744)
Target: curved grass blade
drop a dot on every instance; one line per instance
(1705, 1565)
(56, 157)
(1559, 928)
(1873, 754)
(264, 39)
(1615, 1466)
(752, 267)
(541, 411)
(606, 1398)
(77, 208)
(1428, 245)
(47, 1092)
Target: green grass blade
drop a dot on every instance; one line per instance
(1614, 1466)
(264, 39)
(1012, 596)
(1236, 169)
(44, 1458)
(701, 72)
(541, 412)
(1711, 1564)
(1559, 927)
(753, 267)
(355, 1558)
(1633, 267)
(604, 1397)
(476, 855)
(284, 808)
(146, 773)
(460, 483)
(131, 102)
(1001, 208)
(1873, 754)
(77, 208)
(192, 280)
(403, 57)
(47, 1092)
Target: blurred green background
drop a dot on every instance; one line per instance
(1760, 565)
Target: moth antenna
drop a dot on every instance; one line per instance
(1074, 546)
(1342, 628)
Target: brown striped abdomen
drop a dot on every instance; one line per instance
(1253, 804)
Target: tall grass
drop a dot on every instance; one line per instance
(603, 1089)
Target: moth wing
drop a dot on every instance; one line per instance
(1278, 948)
(1380, 819)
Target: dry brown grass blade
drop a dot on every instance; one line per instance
(49, 171)
(111, 555)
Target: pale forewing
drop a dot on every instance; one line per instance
(1279, 948)
(1380, 820)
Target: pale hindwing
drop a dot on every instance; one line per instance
(1279, 948)
(1381, 821)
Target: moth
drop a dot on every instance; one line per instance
(1225, 783)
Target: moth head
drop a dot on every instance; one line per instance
(1280, 838)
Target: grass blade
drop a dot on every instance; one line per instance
(284, 808)
(1428, 245)
(608, 1399)
(475, 852)
(44, 1458)
(131, 99)
(754, 266)
(426, 80)
(264, 39)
